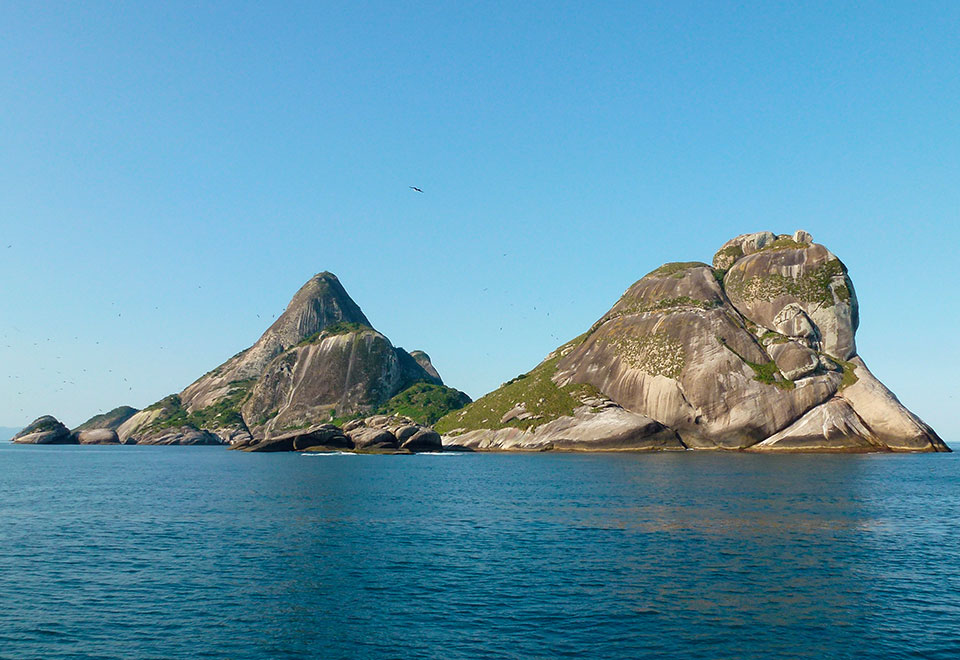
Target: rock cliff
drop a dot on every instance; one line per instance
(756, 352)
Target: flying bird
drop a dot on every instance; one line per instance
(415, 188)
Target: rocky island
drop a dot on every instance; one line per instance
(320, 377)
(755, 352)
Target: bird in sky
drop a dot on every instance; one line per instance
(415, 188)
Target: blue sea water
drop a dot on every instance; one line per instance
(197, 552)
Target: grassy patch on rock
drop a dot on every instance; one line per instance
(224, 413)
(816, 286)
(849, 374)
(342, 328)
(785, 243)
(676, 269)
(424, 403)
(767, 373)
(542, 399)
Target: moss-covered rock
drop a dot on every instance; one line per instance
(800, 290)
(425, 403)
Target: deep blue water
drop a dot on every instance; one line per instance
(195, 552)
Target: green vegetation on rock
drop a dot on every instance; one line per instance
(669, 305)
(543, 400)
(425, 403)
(785, 243)
(43, 425)
(676, 269)
(767, 373)
(770, 337)
(849, 374)
(342, 328)
(813, 287)
(111, 419)
(222, 414)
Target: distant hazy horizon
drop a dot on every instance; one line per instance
(176, 172)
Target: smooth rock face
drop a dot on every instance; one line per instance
(335, 376)
(423, 360)
(97, 437)
(891, 423)
(46, 430)
(755, 353)
(832, 426)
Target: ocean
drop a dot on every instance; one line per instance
(199, 552)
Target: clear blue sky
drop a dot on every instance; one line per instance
(169, 171)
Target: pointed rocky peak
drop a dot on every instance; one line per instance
(319, 303)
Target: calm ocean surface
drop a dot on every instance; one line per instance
(196, 552)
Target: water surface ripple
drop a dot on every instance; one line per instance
(196, 552)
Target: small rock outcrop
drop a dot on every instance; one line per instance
(46, 430)
(755, 353)
(97, 437)
(378, 433)
(321, 437)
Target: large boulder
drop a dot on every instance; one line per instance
(323, 436)
(46, 430)
(373, 438)
(422, 439)
(97, 437)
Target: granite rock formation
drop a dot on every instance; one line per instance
(46, 430)
(755, 353)
(320, 362)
